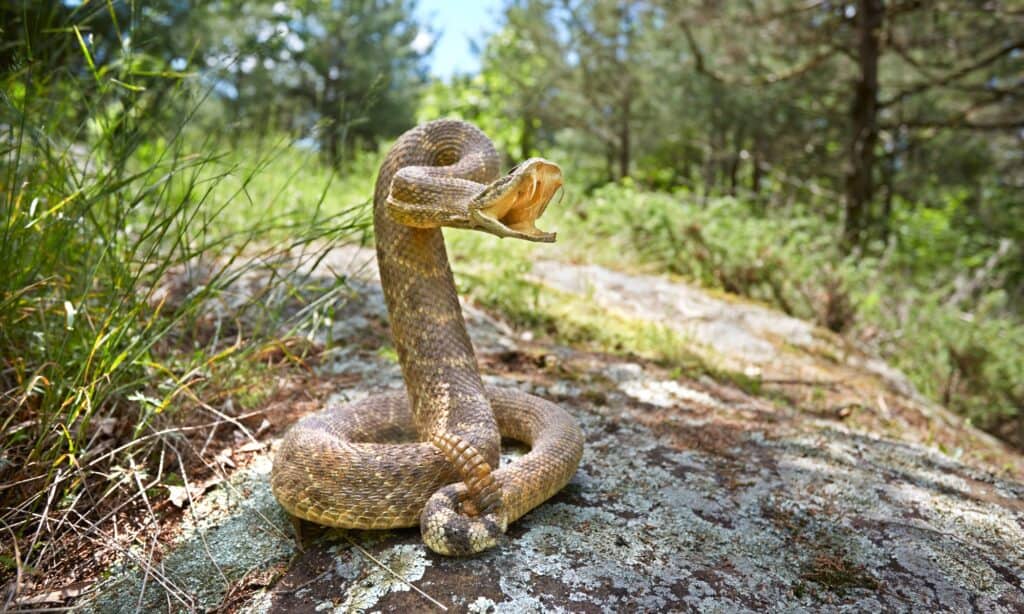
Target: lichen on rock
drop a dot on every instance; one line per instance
(691, 495)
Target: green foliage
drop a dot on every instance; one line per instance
(755, 100)
(726, 244)
(904, 303)
(120, 231)
(287, 188)
(971, 362)
(515, 87)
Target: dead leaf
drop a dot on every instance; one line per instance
(105, 426)
(224, 458)
(179, 495)
(252, 446)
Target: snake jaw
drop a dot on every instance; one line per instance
(510, 206)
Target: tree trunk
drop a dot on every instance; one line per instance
(889, 177)
(609, 161)
(624, 136)
(330, 136)
(734, 173)
(863, 122)
(757, 172)
(736, 159)
(526, 141)
(710, 170)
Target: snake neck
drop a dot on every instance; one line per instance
(427, 326)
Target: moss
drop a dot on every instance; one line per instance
(829, 562)
(388, 353)
(751, 384)
(571, 319)
(246, 382)
(837, 573)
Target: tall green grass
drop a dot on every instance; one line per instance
(123, 237)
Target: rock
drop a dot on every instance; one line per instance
(691, 495)
(735, 330)
(785, 521)
(235, 531)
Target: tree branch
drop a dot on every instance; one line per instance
(906, 7)
(701, 65)
(761, 20)
(698, 55)
(955, 75)
(957, 123)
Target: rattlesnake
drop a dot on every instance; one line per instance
(431, 455)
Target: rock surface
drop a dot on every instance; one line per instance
(692, 495)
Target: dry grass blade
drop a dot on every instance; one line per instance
(314, 580)
(12, 593)
(109, 542)
(226, 483)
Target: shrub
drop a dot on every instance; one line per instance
(928, 301)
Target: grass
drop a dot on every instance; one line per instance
(496, 275)
(126, 242)
(290, 188)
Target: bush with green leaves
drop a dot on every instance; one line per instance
(914, 300)
(786, 260)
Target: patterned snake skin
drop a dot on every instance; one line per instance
(431, 455)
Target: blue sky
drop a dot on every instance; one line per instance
(457, 23)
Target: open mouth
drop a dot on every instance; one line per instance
(519, 200)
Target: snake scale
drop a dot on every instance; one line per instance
(430, 455)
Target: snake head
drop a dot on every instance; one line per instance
(448, 529)
(510, 206)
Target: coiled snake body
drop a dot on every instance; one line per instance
(431, 455)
